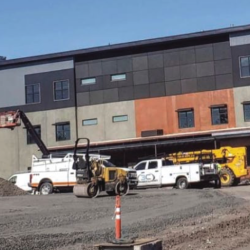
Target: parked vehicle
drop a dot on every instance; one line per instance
(161, 172)
(58, 173)
(21, 180)
(232, 159)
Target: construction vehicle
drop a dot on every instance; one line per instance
(93, 176)
(91, 173)
(232, 160)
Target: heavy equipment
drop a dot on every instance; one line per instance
(94, 175)
(232, 160)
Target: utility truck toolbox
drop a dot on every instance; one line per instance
(160, 172)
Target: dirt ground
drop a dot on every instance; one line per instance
(183, 219)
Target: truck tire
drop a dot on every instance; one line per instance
(227, 177)
(182, 183)
(46, 188)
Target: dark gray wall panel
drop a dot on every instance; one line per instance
(155, 61)
(140, 63)
(80, 88)
(237, 52)
(141, 91)
(156, 75)
(205, 69)
(82, 70)
(126, 93)
(157, 89)
(98, 85)
(47, 92)
(223, 67)
(109, 67)
(124, 65)
(187, 56)
(127, 82)
(110, 95)
(188, 71)
(171, 59)
(172, 73)
(189, 85)
(206, 83)
(224, 81)
(204, 54)
(173, 88)
(95, 69)
(83, 99)
(222, 51)
(96, 97)
(107, 83)
(141, 77)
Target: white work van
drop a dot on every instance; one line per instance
(160, 173)
(57, 173)
(21, 180)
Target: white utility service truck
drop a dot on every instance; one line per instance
(57, 173)
(161, 172)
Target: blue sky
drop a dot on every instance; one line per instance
(33, 27)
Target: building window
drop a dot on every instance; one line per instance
(61, 90)
(246, 109)
(245, 66)
(32, 93)
(186, 118)
(88, 81)
(120, 118)
(118, 77)
(219, 115)
(63, 131)
(89, 122)
(30, 139)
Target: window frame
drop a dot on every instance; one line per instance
(62, 124)
(27, 135)
(55, 100)
(244, 104)
(33, 84)
(117, 80)
(141, 164)
(88, 78)
(113, 117)
(248, 56)
(90, 120)
(186, 111)
(218, 106)
(150, 163)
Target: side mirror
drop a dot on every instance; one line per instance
(75, 166)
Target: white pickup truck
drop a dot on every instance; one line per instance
(48, 174)
(160, 173)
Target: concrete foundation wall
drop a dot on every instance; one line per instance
(15, 153)
(106, 129)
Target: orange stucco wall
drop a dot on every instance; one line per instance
(160, 113)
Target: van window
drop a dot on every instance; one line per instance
(152, 165)
(13, 179)
(141, 166)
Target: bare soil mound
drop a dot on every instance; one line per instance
(9, 189)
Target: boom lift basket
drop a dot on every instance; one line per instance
(9, 119)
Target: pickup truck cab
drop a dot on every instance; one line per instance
(160, 173)
(21, 180)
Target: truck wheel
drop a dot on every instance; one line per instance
(46, 188)
(182, 183)
(226, 177)
(111, 193)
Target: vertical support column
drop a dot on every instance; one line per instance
(156, 151)
(118, 217)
